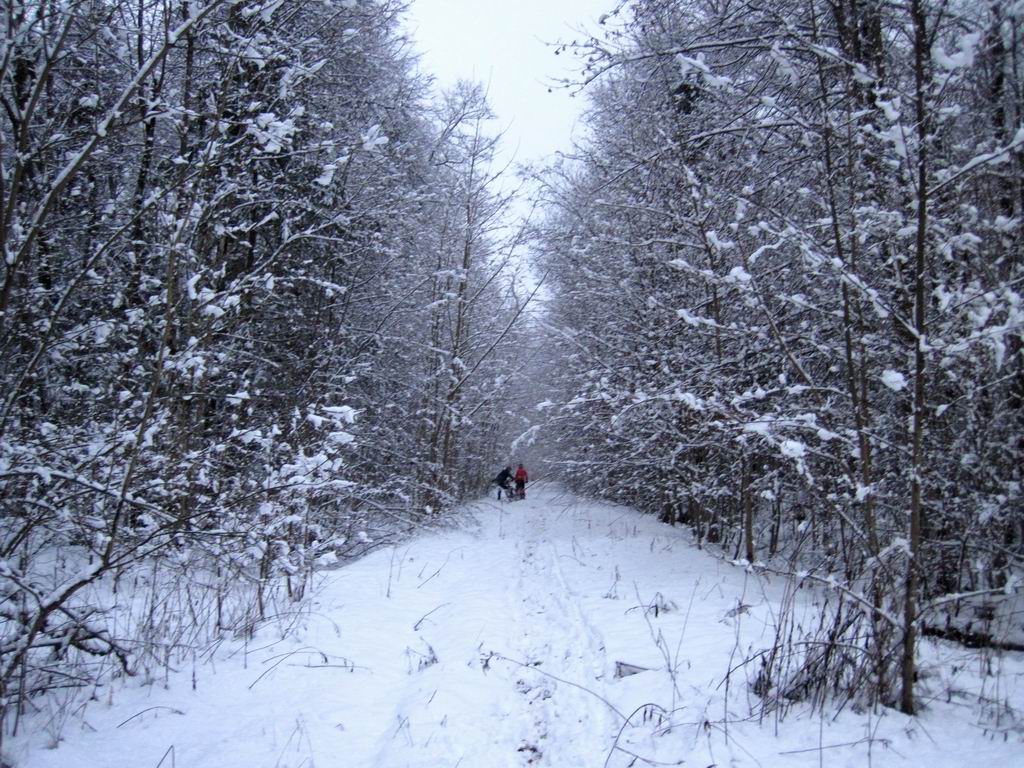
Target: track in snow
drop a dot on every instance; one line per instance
(514, 654)
(557, 654)
(495, 646)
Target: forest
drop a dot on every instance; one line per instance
(267, 304)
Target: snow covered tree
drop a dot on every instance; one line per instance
(791, 213)
(214, 220)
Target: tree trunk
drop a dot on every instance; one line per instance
(908, 667)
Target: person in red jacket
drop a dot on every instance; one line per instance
(521, 478)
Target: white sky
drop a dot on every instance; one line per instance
(502, 43)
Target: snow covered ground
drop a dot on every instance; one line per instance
(503, 643)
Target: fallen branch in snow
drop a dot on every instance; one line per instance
(439, 569)
(150, 709)
(708, 726)
(170, 751)
(647, 709)
(887, 743)
(599, 697)
(416, 626)
(626, 720)
(282, 658)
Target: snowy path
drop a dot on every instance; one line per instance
(494, 646)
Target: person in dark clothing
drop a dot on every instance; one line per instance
(504, 482)
(521, 479)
